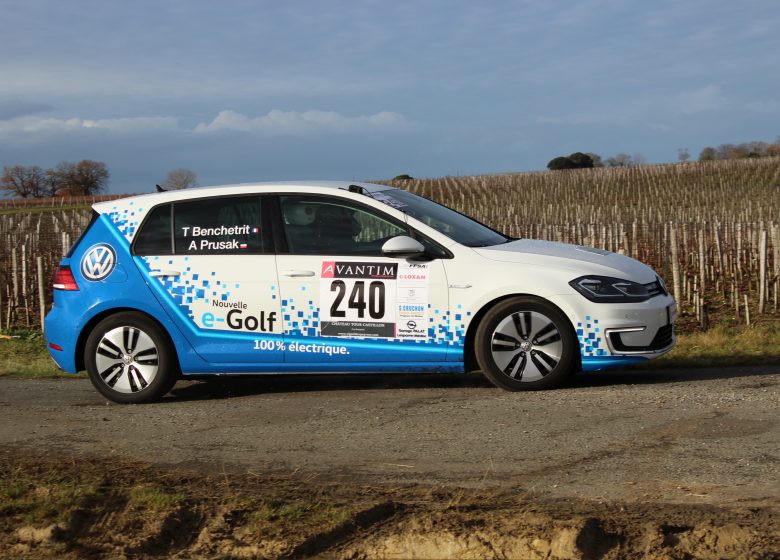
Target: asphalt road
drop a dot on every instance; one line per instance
(707, 436)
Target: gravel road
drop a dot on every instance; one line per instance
(703, 436)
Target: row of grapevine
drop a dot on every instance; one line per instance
(712, 230)
(57, 201)
(31, 246)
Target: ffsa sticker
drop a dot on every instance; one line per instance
(374, 299)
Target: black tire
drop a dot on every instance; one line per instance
(525, 343)
(130, 359)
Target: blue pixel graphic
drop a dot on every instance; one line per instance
(590, 336)
(126, 219)
(301, 317)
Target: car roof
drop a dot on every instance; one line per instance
(153, 199)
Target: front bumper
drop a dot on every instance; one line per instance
(612, 335)
(622, 341)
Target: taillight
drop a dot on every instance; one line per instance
(63, 279)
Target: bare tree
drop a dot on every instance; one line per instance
(625, 160)
(86, 177)
(180, 179)
(683, 155)
(619, 160)
(25, 181)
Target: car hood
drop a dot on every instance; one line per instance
(579, 259)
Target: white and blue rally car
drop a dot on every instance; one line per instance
(337, 277)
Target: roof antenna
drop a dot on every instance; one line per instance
(160, 189)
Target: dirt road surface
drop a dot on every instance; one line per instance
(700, 438)
(707, 436)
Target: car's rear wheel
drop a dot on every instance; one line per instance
(129, 359)
(525, 343)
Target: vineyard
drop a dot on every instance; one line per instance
(712, 230)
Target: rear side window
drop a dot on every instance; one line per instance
(219, 226)
(154, 238)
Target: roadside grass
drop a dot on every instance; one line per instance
(265, 514)
(45, 495)
(154, 498)
(724, 346)
(45, 492)
(144, 502)
(267, 509)
(71, 508)
(24, 356)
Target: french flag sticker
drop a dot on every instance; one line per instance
(255, 230)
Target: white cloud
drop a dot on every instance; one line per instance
(133, 124)
(43, 126)
(278, 122)
(275, 123)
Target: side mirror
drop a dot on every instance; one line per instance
(402, 246)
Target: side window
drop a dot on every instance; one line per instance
(219, 226)
(330, 226)
(154, 238)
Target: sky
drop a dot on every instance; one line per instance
(241, 91)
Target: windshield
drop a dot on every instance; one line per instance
(454, 225)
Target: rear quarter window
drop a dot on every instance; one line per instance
(154, 237)
(219, 226)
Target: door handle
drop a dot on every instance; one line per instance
(163, 273)
(298, 273)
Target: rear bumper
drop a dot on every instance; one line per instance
(59, 329)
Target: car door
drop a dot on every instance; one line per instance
(346, 306)
(216, 277)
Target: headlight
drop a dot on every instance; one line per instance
(603, 289)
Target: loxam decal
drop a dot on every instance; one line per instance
(98, 262)
(374, 300)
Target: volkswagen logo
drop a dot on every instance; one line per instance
(98, 262)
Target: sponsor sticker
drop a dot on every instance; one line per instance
(374, 299)
(393, 203)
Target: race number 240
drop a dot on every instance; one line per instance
(360, 299)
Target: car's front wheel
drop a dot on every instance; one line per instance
(525, 343)
(129, 359)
